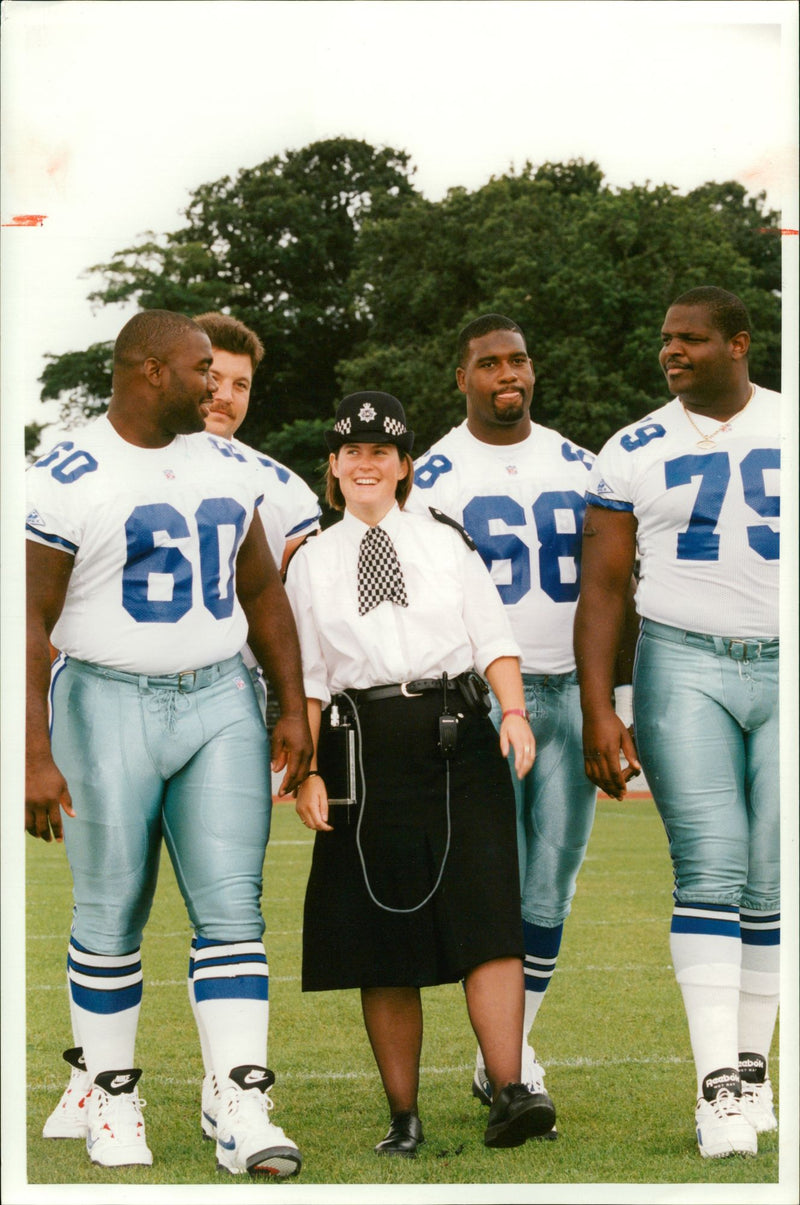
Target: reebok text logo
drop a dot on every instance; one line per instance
(720, 1081)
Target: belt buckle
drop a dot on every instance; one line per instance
(743, 646)
(409, 694)
(187, 673)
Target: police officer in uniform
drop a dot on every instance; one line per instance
(416, 883)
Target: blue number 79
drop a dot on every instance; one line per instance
(700, 542)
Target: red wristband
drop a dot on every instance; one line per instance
(515, 711)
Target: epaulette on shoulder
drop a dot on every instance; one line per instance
(441, 517)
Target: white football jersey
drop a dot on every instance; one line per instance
(154, 533)
(289, 508)
(708, 518)
(523, 505)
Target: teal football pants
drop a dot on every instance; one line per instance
(706, 720)
(145, 759)
(555, 800)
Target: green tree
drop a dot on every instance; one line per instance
(355, 281)
(588, 271)
(81, 381)
(33, 437)
(274, 246)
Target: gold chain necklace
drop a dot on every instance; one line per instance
(708, 441)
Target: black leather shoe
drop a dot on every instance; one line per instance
(405, 1135)
(517, 1115)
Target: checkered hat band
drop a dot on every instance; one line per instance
(379, 574)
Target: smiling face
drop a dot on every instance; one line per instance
(233, 374)
(368, 475)
(497, 378)
(186, 385)
(702, 367)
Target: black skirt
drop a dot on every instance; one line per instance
(396, 854)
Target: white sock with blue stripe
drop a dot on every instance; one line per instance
(106, 997)
(706, 954)
(205, 1050)
(760, 986)
(541, 951)
(230, 986)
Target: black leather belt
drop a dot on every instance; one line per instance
(408, 690)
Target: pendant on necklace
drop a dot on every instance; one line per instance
(705, 444)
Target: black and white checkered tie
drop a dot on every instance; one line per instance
(379, 572)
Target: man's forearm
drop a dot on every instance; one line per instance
(599, 624)
(609, 546)
(273, 641)
(37, 718)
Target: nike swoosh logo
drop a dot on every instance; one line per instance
(254, 1077)
(119, 1081)
(227, 1144)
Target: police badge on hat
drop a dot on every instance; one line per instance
(370, 417)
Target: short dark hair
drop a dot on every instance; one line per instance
(231, 335)
(483, 326)
(333, 490)
(726, 311)
(150, 333)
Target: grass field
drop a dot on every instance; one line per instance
(611, 1034)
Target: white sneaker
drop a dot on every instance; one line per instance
(115, 1136)
(722, 1129)
(246, 1139)
(757, 1104)
(68, 1119)
(481, 1086)
(210, 1106)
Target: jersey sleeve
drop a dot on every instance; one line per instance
(609, 483)
(294, 502)
(53, 498)
(623, 461)
(575, 454)
(435, 484)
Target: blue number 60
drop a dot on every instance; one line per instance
(145, 558)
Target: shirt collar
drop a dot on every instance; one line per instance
(355, 528)
(507, 449)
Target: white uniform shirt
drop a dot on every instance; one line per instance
(708, 520)
(154, 533)
(523, 505)
(289, 508)
(453, 620)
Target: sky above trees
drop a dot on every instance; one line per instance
(114, 113)
(354, 280)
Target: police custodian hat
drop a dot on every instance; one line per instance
(370, 417)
